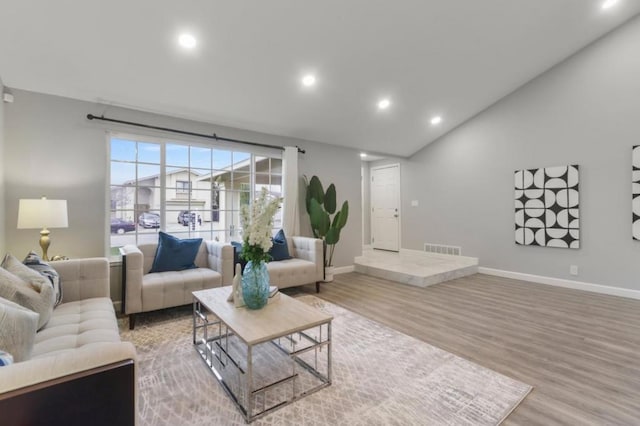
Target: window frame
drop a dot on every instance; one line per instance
(184, 189)
(230, 214)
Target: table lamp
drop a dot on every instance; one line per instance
(42, 213)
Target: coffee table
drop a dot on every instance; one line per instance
(267, 358)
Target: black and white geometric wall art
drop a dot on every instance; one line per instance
(547, 202)
(635, 191)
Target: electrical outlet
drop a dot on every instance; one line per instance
(573, 269)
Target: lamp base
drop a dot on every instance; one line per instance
(45, 241)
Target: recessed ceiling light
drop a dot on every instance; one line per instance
(609, 3)
(187, 41)
(436, 120)
(309, 80)
(363, 155)
(384, 104)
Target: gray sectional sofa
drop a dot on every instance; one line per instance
(77, 365)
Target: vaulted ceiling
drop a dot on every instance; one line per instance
(447, 58)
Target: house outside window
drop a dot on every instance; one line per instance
(194, 190)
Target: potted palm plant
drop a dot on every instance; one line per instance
(326, 221)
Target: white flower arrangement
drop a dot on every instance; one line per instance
(257, 223)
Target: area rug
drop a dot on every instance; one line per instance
(380, 377)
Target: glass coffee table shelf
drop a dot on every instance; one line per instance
(264, 359)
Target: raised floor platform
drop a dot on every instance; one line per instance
(414, 267)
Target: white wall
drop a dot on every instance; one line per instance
(584, 111)
(366, 203)
(52, 149)
(2, 190)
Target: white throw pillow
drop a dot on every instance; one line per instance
(17, 330)
(26, 287)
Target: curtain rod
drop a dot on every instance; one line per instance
(184, 132)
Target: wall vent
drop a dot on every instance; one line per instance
(443, 249)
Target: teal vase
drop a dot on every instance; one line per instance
(255, 285)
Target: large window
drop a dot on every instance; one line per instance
(187, 190)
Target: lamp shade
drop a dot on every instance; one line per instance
(42, 213)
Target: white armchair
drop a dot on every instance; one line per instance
(305, 266)
(143, 291)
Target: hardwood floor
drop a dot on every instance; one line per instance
(580, 351)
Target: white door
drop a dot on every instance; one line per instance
(385, 207)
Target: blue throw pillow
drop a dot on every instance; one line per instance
(279, 250)
(5, 358)
(34, 262)
(174, 254)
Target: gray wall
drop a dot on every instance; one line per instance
(585, 111)
(52, 149)
(2, 190)
(342, 167)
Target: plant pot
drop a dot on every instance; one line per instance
(328, 274)
(255, 285)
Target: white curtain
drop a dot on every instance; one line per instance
(290, 219)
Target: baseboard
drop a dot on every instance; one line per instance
(117, 305)
(559, 282)
(343, 269)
